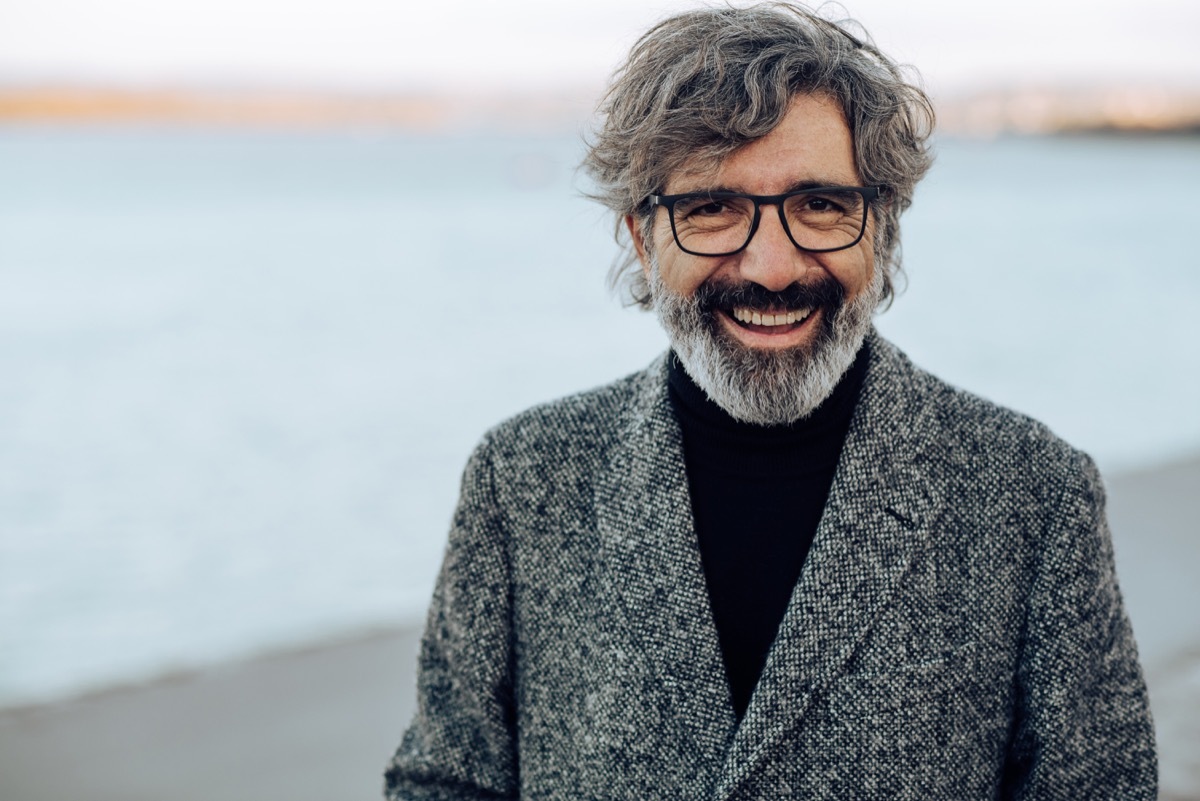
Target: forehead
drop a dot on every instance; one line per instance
(812, 143)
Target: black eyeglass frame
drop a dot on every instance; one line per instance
(868, 193)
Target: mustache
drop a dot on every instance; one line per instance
(713, 295)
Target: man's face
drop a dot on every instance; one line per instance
(773, 371)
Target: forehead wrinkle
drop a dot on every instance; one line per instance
(793, 186)
(811, 145)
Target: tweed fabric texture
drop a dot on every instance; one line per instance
(957, 631)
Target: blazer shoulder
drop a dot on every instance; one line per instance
(980, 436)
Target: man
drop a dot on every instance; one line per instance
(782, 562)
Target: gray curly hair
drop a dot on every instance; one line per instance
(703, 83)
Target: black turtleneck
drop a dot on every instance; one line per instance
(758, 493)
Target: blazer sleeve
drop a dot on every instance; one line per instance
(460, 744)
(1083, 726)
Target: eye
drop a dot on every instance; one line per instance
(824, 205)
(701, 207)
(706, 209)
(817, 203)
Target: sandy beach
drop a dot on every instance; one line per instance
(320, 723)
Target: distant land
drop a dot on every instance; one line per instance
(1133, 109)
(1140, 109)
(412, 111)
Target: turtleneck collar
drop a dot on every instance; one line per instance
(716, 440)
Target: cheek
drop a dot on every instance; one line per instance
(853, 268)
(682, 273)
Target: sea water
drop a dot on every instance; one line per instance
(240, 371)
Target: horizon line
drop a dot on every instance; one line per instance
(1021, 107)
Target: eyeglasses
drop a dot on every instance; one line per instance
(817, 220)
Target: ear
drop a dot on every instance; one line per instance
(639, 243)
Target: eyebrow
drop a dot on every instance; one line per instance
(796, 186)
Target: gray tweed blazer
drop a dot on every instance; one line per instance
(957, 632)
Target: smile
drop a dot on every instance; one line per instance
(752, 317)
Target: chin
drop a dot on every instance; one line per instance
(766, 377)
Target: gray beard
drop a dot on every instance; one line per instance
(764, 387)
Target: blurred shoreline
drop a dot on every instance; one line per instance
(1133, 109)
(321, 721)
(421, 112)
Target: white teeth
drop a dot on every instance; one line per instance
(758, 318)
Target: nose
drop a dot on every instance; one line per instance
(771, 260)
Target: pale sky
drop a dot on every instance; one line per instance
(390, 44)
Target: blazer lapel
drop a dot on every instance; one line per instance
(875, 520)
(652, 561)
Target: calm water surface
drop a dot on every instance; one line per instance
(242, 371)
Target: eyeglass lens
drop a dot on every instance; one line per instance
(820, 220)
